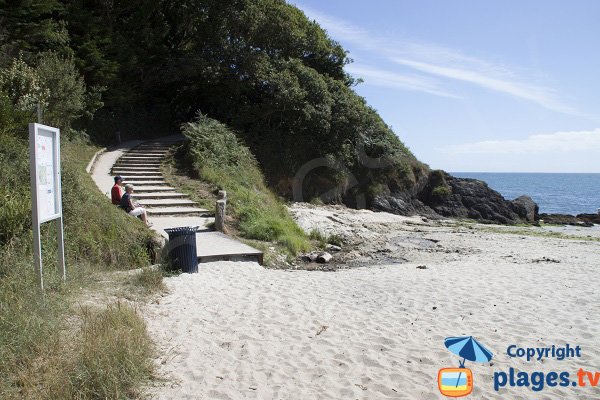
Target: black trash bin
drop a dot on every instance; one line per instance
(182, 248)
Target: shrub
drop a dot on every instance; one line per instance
(23, 86)
(441, 191)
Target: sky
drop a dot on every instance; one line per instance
(478, 86)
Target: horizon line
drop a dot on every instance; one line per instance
(520, 172)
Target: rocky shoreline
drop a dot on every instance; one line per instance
(443, 195)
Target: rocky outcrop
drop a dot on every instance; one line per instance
(469, 198)
(586, 220)
(448, 196)
(526, 208)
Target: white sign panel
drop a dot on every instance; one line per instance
(46, 199)
(46, 174)
(45, 163)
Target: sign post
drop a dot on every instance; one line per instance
(46, 197)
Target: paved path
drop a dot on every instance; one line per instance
(138, 162)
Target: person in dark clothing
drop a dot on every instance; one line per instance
(131, 207)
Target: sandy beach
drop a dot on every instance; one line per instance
(376, 329)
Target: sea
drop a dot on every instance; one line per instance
(553, 192)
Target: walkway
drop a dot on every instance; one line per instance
(139, 163)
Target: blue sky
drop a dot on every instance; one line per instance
(503, 86)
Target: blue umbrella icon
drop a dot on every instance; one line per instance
(469, 349)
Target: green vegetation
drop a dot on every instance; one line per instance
(438, 185)
(115, 354)
(35, 331)
(217, 156)
(324, 239)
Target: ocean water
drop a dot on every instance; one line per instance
(554, 193)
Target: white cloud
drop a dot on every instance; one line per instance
(440, 62)
(379, 77)
(553, 143)
(540, 95)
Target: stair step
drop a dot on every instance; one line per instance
(146, 182)
(165, 203)
(130, 174)
(153, 189)
(134, 163)
(178, 211)
(142, 154)
(138, 152)
(153, 146)
(158, 195)
(137, 168)
(128, 156)
(142, 178)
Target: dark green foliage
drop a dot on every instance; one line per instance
(260, 66)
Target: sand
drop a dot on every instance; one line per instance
(238, 331)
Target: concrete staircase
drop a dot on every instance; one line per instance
(140, 166)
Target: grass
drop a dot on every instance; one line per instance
(324, 239)
(216, 156)
(114, 356)
(150, 279)
(48, 348)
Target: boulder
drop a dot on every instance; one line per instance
(526, 208)
(324, 257)
(320, 257)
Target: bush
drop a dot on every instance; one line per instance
(438, 185)
(217, 156)
(23, 86)
(441, 191)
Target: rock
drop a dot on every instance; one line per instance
(333, 247)
(564, 219)
(470, 198)
(324, 258)
(526, 208)
(320, 257)
(440, 194)
(401, 204)
(589, 218)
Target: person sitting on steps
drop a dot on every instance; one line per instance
(131, 207)
(117, 191)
